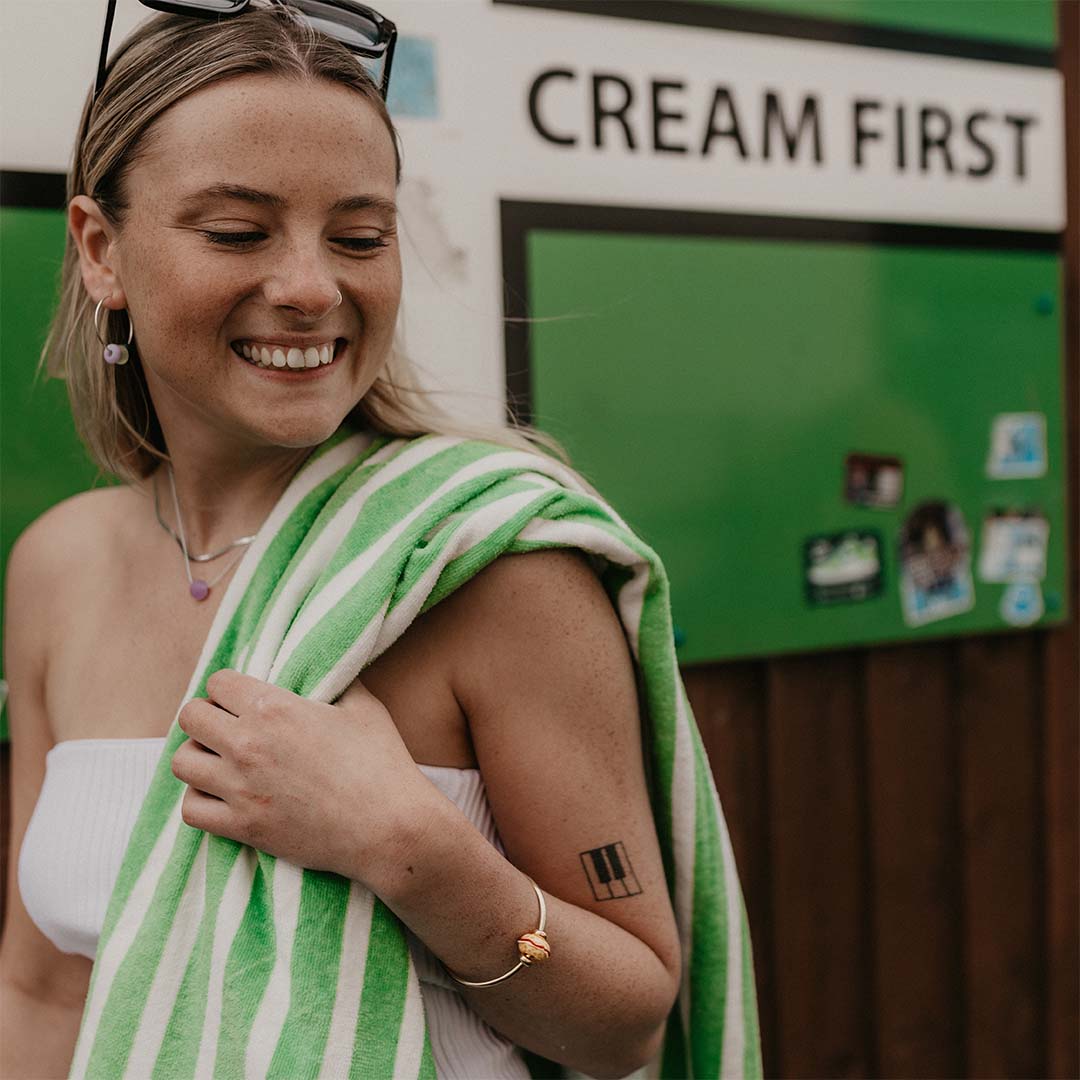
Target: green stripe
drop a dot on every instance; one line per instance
(164, 792)
(427, 1061)
(316, 959)
(128, 993)
(709, 964)
(247, 972)
(178, 1054)
(382, 1003)
(752, 1064)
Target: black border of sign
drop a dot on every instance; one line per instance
(781, 24)
(517, 218)
(33, 190)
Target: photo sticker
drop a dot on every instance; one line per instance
(935, 564)
(842, 567)
(1013, 547)
(1017, 446)
(873, 480)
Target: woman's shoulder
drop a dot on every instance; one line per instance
(64, 537)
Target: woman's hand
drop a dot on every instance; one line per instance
(328, 787)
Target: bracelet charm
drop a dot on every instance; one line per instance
(533, 947)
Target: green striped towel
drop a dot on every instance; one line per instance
(219, 960)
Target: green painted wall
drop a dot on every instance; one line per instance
(41, 458)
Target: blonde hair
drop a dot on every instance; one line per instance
(167, 58)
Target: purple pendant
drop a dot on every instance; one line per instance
(199, 589)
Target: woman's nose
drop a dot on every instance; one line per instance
(304, 286)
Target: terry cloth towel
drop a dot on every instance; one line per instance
(219, 960)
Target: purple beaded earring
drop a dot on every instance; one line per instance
(114, 353)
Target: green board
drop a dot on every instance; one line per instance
(1019, 22)
(712, 388)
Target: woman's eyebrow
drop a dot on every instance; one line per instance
(240, 193)
(233, 191)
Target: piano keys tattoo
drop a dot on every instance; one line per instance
(610, 874)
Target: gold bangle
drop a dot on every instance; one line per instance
(533, 947)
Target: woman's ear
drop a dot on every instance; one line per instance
(95, 238)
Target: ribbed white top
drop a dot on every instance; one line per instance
(75, 843)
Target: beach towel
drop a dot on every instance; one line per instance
(219, 960)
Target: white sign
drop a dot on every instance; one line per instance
(609, 110)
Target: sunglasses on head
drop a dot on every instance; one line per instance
(362, 30)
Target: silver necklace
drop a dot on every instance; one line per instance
(198, 587)
(179, 543)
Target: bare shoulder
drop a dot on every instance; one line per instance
(538, 632)
(64, 531)
(531, 617)
(52, 551)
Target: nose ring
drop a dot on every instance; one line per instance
(338, 301)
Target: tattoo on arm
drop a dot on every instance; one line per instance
(610, 874)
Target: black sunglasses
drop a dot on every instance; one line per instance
(362, 30)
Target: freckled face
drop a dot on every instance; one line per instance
(261, 199)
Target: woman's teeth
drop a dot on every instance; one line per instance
(279, 356)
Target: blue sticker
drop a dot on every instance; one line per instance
(1017, 446)
(413, 89)
(1022, 604)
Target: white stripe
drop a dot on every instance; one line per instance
(337, 1059)
(347, 578)
(388, 629)
(230, 915)
(683, 854)
(109, 958)
(734, 1031)
(313, 563)
(274, 1007)
(165, 988)
(410, 1043)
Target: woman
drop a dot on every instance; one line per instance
(453, 733)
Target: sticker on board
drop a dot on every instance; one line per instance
(1022, 603)
(842, 567)
(873, 480)
(1017, 446)
(1013, 547)
(935, 563)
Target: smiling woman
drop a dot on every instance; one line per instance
(416, 790)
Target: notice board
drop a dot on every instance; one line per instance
(721, 390)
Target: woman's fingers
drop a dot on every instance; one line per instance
(200, 769)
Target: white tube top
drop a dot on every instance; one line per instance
(75, 842)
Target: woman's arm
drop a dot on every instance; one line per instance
(544, 673)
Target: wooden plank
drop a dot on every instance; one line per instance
(998, 704)
(728, 701)
(817, 820)
(915, 869)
